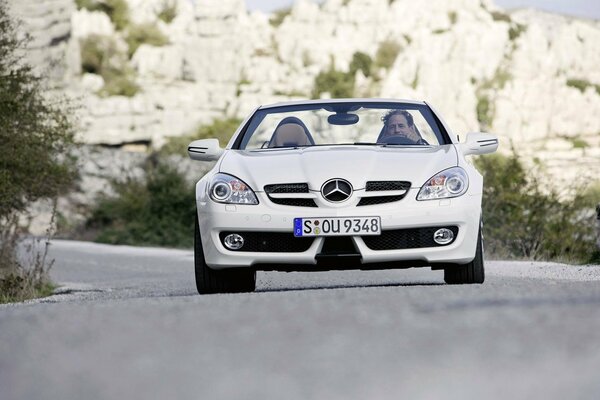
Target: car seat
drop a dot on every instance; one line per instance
(291, 132)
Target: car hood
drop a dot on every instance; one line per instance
(356, 164)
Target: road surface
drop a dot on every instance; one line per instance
(128, 324)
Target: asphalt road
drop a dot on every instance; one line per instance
(129, 325)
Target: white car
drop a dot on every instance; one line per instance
(338, 184)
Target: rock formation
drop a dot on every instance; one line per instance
(529, 76)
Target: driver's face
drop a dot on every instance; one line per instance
(398, 125)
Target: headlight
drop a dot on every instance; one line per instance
(231, 190)
(452, 182)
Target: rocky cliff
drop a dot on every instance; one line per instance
(528, 76)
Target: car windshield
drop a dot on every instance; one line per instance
(356, 123)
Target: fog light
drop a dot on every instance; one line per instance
(233, 241)
(443, 236)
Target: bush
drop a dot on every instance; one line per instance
(155, 210)
(526, 218)
(337, 83)
(582, 85)
(117, 10)
(222, 129)
(361, 61)
(387, 53)
(500, 16)
(515, 31)
(168, 11)
(146, 33)
(101, 55)
(35, 163)
(279, 16)
(484, 112)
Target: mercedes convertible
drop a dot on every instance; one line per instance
(336, 185)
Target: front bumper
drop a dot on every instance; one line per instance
(463, 212)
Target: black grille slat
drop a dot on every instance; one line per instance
(381, 186)
(294, 202)
(272, 242)
(413, 238)
(287, 188)
(369, 201)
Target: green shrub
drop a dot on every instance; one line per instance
(146, 33)
(120, 85)
(222, 129)
(36, 136)
(485, 114)
(337, 83)
(526, 218)
(101, 55)
(117, 10)
(452, 17)
(361, 61)
(168, 11)
(582, 85)
(279, 16)
(89, 5)
(155, 210)
(500, 16)
(387, 52)
(515, 31)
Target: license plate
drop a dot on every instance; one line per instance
(337, 226)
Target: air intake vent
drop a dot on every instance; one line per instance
(287, 188)
(381, 186)
(290, 194)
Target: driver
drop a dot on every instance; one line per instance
(400, 124)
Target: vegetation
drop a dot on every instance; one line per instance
(157, 209)
(279, 16)
(222, 129)
(582, 85)
(500, 16)
(117, 10)
(337, 83)
(387, 52)
(361, 61)
(168, 11)
(526, 218)
(145, 33)
(101, 55)
(485, 114)
(515, 31)
(36, 137)
(452, 17)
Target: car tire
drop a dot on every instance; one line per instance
(472, 272)
(208, 280)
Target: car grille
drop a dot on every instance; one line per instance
(384, 186)
(271, 242)
(287, 188)
(413, 238)
(291, 189)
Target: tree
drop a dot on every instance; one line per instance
(36, 135)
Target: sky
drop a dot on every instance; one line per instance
(579, 8)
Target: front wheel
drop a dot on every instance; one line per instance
(472, 272)
(208, 280)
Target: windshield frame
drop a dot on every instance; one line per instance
(428, 114)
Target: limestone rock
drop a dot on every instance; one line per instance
(85, 23)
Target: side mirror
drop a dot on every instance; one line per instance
(479, 143)
(205, 150)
